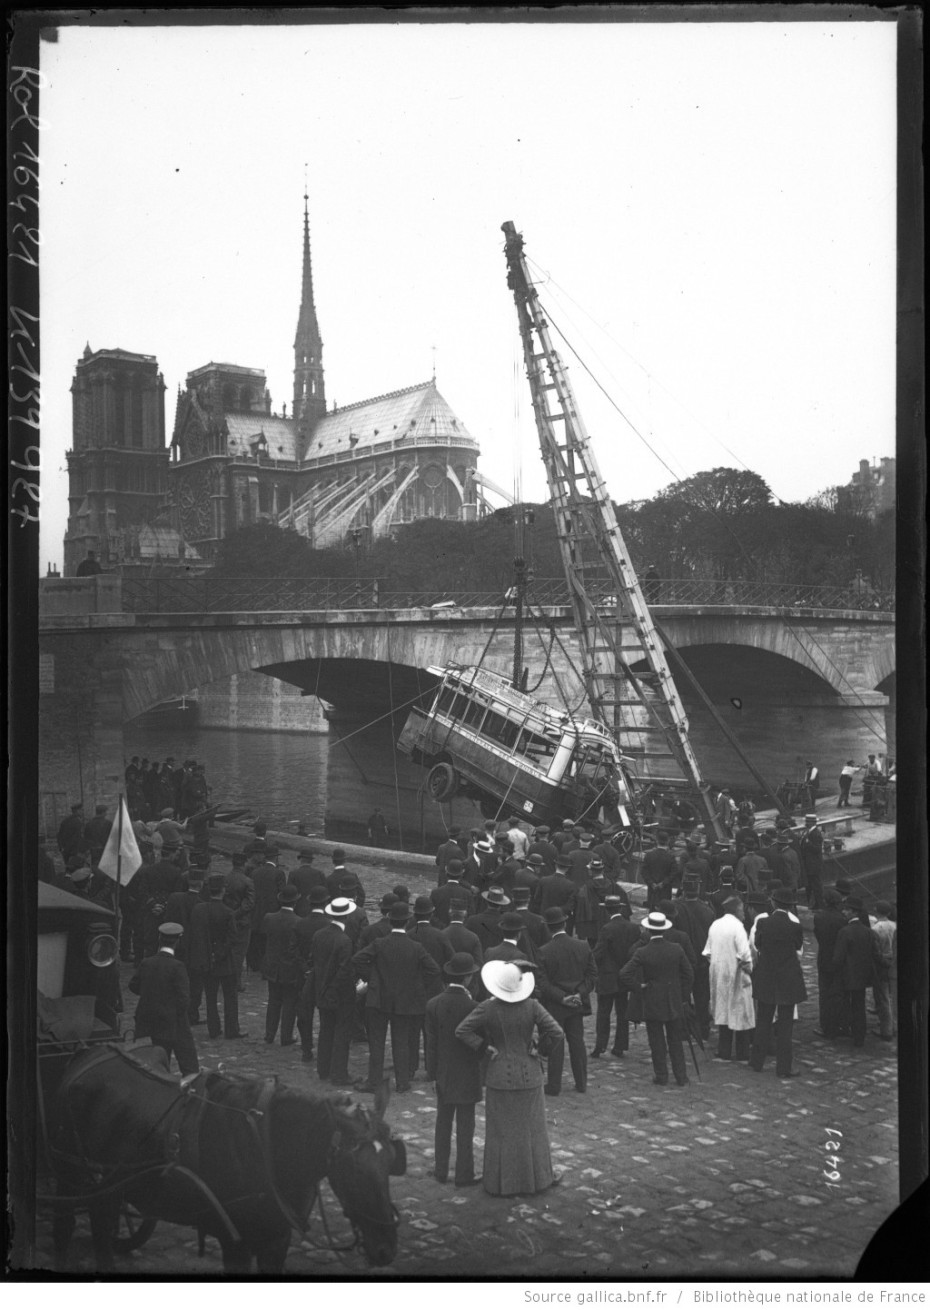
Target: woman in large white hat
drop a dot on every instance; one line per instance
(516, 1146)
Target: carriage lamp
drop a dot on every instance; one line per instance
(102, 946)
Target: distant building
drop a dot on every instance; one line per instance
(871, 491)
(371, 465)
(118, 466)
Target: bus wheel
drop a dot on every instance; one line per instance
(442, 782)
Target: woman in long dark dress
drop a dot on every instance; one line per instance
(516, 1147)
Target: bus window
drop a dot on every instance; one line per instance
(474, 713)
(445, 700)
(500, 729)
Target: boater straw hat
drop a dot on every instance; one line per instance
(496, 896)
(507, 981)
(656, 922)
(339, 908)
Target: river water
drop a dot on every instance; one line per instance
(278, 776)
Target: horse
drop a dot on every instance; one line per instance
(240, 1159)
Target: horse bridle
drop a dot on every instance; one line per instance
(335, 1147)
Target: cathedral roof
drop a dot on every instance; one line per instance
(414, 415)
(244, 428)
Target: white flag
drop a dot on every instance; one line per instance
(123, 847)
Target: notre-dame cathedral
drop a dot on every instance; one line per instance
(370, 466)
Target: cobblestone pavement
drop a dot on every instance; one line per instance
(719, 1178)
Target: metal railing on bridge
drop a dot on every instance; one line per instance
(214, 594)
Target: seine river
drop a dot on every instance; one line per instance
(278, 776)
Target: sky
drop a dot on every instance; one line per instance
(709, 209)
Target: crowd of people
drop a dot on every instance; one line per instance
(153, 787)
(487, 980)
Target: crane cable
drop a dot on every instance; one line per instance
(699, 504)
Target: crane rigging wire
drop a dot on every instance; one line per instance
(697, 502)
(550, 281)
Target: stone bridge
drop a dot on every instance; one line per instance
(792, 683)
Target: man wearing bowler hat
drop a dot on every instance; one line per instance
(660, 975)
(453, 889)
(281, 967)
(777, 981)
(399, 973)
(422, 930)
(812, 860)
(210, 958)
(565, 985)
(616, 942)
(456, 1070)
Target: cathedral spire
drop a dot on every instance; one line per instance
(309, 392)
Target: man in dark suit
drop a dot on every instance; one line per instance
(153, 884)
(541, 845)
(460, 938)
(528, 876)
(334, 981)
(307, 928)
(534, 924)
(450, 849)
(343, 882)
(456, 1070)
(660, 872)
(453, 889)
(661, 976)
(164, 999)
(210, 954)
(617, 940)
(566, 982)
(240, 898)
(178, 909)
(557, 891)
(485, 924)
(431, 938)
(381, 927)
(855, 956)
(281, 967)
(693, 917)
(831, 993)
(777, 982)
(268, 880)
(305, 878)
(399, 973)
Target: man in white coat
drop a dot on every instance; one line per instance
(730, 962)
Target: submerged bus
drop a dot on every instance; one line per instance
(484, 739)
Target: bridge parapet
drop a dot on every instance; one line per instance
(212, 594)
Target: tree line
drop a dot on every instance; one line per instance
(723, 524)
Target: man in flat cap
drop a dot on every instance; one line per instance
(164, 1000)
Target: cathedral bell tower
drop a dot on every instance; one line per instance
(309, 390)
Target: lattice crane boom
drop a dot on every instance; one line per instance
(631, 703)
